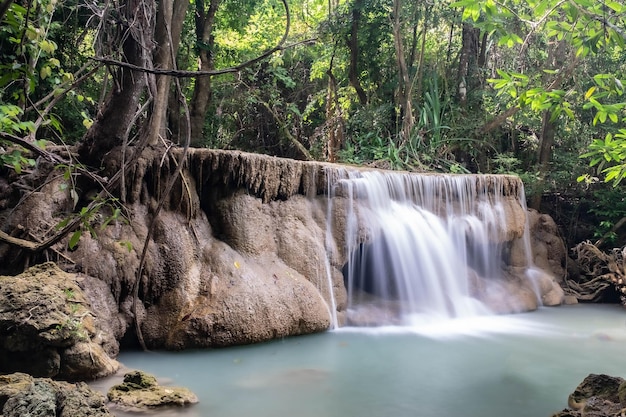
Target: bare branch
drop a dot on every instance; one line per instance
(193, 74)
(51, 156)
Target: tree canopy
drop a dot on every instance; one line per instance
(532, 87)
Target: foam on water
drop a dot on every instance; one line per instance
(446, 328)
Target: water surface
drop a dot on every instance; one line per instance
(522, 365)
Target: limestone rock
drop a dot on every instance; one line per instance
(247, 248)
(598, 395)
(140, 391)
(548, 249)
(550, 291)
(13, 384)
(45, 320)
(22, 395)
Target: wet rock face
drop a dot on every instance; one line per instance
(239, 254)
(47, 328)
(22, 395)
(598, 395)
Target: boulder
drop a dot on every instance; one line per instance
(22, 395)
(140, 391)
(47, 328)
(598, 395)
(548, 249)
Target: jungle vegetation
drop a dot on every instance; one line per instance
(528, 87)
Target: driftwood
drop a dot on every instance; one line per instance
(599, 270)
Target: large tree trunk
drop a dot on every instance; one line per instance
(112, 125)
(205, 20)
(404, 80)
(169, 25)
(353, 45)
(469, 58)
(544, 156)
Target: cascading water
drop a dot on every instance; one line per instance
(420, 245)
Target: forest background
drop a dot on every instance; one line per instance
(533, 88)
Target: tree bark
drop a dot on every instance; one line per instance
(169, 25)
(353, 46)
(556, 58)
(205, 21)
(334, 118)
(468, 62)
(404, 81)
(112, 124)
(420, 63)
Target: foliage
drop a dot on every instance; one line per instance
(583, 29)
(561, 58)
(609, 206)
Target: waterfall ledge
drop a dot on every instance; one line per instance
(250, 248)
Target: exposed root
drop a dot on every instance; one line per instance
(602, 269)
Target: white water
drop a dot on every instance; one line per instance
(523, 365)
(427, 235)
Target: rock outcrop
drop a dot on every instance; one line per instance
(141, 392)
(597, 396)
(247, 248)
(22, 395)
(48, 329)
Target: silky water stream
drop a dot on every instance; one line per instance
(516, 366)
(429, 349)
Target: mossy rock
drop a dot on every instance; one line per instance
(141, 391)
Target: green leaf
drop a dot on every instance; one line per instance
(45, 72)
(62, 223)
(48, 46)
(74, 239)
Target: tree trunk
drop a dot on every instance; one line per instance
(334, 119)
(548, 129)
(353, 46)
(112, 124)
(468, 62)
(205, 20)
(404, 81)
(420, 63)
(169, 25)
(556, 58)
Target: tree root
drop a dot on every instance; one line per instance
(601, 269)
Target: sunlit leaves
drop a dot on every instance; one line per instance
(608, 155)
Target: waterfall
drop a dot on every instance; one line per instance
(421, 247)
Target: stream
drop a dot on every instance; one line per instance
(522, 365)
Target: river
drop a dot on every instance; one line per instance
(522, 365)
